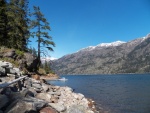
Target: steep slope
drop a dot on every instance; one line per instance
(138, 60)
(107, 58)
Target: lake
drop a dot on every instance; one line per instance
(124, 93)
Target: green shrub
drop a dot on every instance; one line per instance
(19, 53)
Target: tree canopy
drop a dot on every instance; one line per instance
(14, 24)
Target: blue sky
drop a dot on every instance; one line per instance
(76, 24)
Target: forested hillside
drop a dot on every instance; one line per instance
(18, 25)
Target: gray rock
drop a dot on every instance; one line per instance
(2, 71)
(9, 64)
(58, 93)
(54, 99)
(17, 71)
(28, 83)
(15, 95)
(37, 103)
(38, 86)
(31, 62)
(7, 91)
(10, 53)
(45, 87)
(80, 96)
(25, 105)
(26, 92)
(48, 110)
(4, 65)
(38, 90)
(44, 96)
(59, 107)
(76, 109)
(12, 71)
(33, 91)
(68, 89)
(3, 100)
(22, 64)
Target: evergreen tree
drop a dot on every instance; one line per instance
(23, 25)
(18, 24)
(46, 67)
(33, 51)
(41, 26)
(3, 23)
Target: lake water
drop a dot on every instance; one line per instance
(114, 93)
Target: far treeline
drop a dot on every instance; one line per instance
(16, 26)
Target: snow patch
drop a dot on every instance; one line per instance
(117, 43)
(43, 59)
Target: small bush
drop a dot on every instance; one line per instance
(19, 53)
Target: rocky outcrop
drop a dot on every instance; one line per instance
(23, 59)
(10, 53)
(31, 62)
(7, 68)
(35, 96)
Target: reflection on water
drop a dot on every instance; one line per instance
(114, 93)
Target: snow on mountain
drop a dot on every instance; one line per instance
(117, 43)
(147, 36)
(43, 59)
(88, 48)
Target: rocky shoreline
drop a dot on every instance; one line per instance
(36, 96)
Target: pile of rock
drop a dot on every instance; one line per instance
(36, 96)
(7, 68)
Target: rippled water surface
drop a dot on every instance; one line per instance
(114, 93)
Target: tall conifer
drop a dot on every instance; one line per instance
(41, 26)
(17, 24)
(3, 23)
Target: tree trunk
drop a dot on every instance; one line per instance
(39, 41)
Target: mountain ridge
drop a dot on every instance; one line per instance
(109, 58)
(116, 43)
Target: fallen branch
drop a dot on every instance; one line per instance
(3, 85)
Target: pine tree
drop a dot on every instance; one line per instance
(23, 25)
(46, 67)
(3, 23)
(41, 26)
(33, 51)
(17, 24)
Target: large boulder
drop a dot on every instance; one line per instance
(44, 96)
(48, 110)
(77, 109)
(45, 87)
(3, 64)
(31, 62)
(3, 100)
(10, 53)
(25, 105)
(58, 106)
(2, 71)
